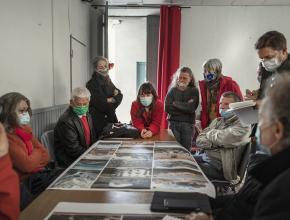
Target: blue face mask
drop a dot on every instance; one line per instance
(24, 118)
(262, 147)
(209, 76)
(146, 101)
(226, 113)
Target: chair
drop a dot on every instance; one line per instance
(221, 185)
(47, 139)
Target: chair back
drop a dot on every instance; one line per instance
(242, 167)
(47, 139)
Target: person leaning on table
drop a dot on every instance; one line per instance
(266, 192)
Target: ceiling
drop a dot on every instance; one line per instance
(138, 7)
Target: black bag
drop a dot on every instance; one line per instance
(119, 130)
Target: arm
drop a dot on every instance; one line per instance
(228, 136)
(157, 114)
(118, 97)
(68, 136)
(136, 121)
(169, 107)
(21, 160)
(191, 105)
(202, 141)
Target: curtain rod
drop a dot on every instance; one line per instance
(135, 6)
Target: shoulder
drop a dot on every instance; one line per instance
(67, 116)
(159, 103)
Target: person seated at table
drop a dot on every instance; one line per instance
(211, 89)
(180, 103)
(74, 133)
(9, 182)
(28, 155)
(266, 192)
(222, 142)
(147, 111)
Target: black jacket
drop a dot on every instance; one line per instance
(266, 75)
(69, 138)
(102, 112)
(265, 194)
(181, 110)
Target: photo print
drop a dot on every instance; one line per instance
(130, 163)
(86, 164)
(122, 183)
(175, 164)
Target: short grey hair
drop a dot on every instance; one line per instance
(80, 92)
(276, 104)
(213, 64)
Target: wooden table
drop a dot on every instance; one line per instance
(43, 204)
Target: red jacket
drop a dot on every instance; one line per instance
(151, 120)
(23, 163)
(226, 84)
(9, 191)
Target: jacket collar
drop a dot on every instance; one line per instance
(271, 167)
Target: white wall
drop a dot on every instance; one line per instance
(229, 33)
(127, 46)
(35, 47)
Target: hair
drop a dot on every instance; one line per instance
(8, 103)
(277, 104)
(232, 95)
(97, 59)
(215, 65)
(80, 92)
(177, 74)
(146, 88)
(273, 39)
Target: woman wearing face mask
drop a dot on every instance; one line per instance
(105, 97)
(181, 102)
(211, 89)
(28, 155)
(147, 111)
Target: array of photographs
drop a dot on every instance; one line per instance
(164, 166)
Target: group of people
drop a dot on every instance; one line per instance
(220, 143)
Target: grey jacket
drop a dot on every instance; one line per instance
(223, 142)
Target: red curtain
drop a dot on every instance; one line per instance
(168, 50)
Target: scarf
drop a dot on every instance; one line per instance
(212, 88)
(26, 137)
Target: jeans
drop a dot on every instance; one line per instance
(183, 132)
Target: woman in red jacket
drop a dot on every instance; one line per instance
(147, 111)
(29, 157)
(9, 183)
(211, 89)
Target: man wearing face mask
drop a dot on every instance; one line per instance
(272, 50)
(211, 89)
(223, 142)
(74, 133)
(105, 96)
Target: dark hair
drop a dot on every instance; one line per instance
(232, 95)
(8, 103)
(273, 39)
(146, 88)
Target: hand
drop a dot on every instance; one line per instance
(148, 134)
(190, 101)
(3, 141)
(143, 132)
(116, 92)
(251, 95)
(198, 216)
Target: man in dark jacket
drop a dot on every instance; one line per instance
(105, 96)
(272, 50)
(74, 133)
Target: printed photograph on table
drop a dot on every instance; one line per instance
(104, 144)
(168, 144)
(135, 150)
(171, 153)
(86, 164)
(178, 174)
(129, 163)
(175, 164)
(76, 179)
(100, 154)
(122, 182)
(178, 184)
(125, 156)
(138, 143)
(126, 172)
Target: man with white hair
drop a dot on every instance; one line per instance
(74, 132)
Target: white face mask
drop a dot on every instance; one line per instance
(181, 84)
(271, 64)
(24, 118)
